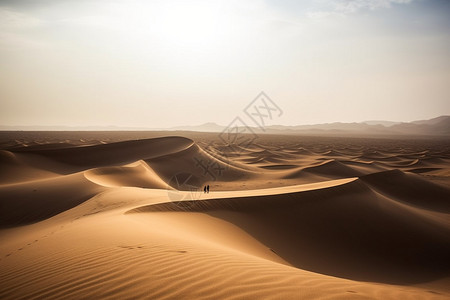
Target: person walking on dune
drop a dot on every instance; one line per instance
(204, 189)
(207, 188)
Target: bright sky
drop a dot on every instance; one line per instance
(169, 63)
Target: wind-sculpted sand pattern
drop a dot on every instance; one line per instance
(286, 217)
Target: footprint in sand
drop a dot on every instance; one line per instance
(131, 247)
(433, 292)
(177, 251)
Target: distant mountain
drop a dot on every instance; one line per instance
(439, 126)
(435, 126)
(379, 122)
(432, 121)
(331, 126)
(207, 127)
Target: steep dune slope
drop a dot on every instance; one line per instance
(33, 201)
(411, 189)
(14, 169)
(36, 191)
(137, 174)
(167, 156)
(347, 231)
(201, 165)
(119, 153)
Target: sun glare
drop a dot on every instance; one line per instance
(195, 27)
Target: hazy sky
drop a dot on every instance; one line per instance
(169, 63)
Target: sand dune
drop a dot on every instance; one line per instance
(85, 157)
(285, 219)
(203, 166)
(14, 170)
(346, 231)
(28, 202)
(333, 168)
(411, 189)
(137, 174)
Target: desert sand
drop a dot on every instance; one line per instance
(89, 215)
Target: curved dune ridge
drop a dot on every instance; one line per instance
(137, 174)
(203, 166)
(150, 163)
(14, 169)
(119, 153)
(347, 231)
(34, 201)
(333, 167)
(410, 189)
(283, 220)
(43, 193)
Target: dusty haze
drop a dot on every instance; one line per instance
(158, 64)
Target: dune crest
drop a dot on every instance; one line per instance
(348, 224)
(137, 174)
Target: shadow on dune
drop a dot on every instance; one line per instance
(410, 189)
(40, 182)
(163, 157)
(346, 231)
(119, 153)
(31, 202)
(32, 188)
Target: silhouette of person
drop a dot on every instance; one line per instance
(207, 188)
(204, 189)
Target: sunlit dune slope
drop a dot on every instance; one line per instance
(348, 231)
